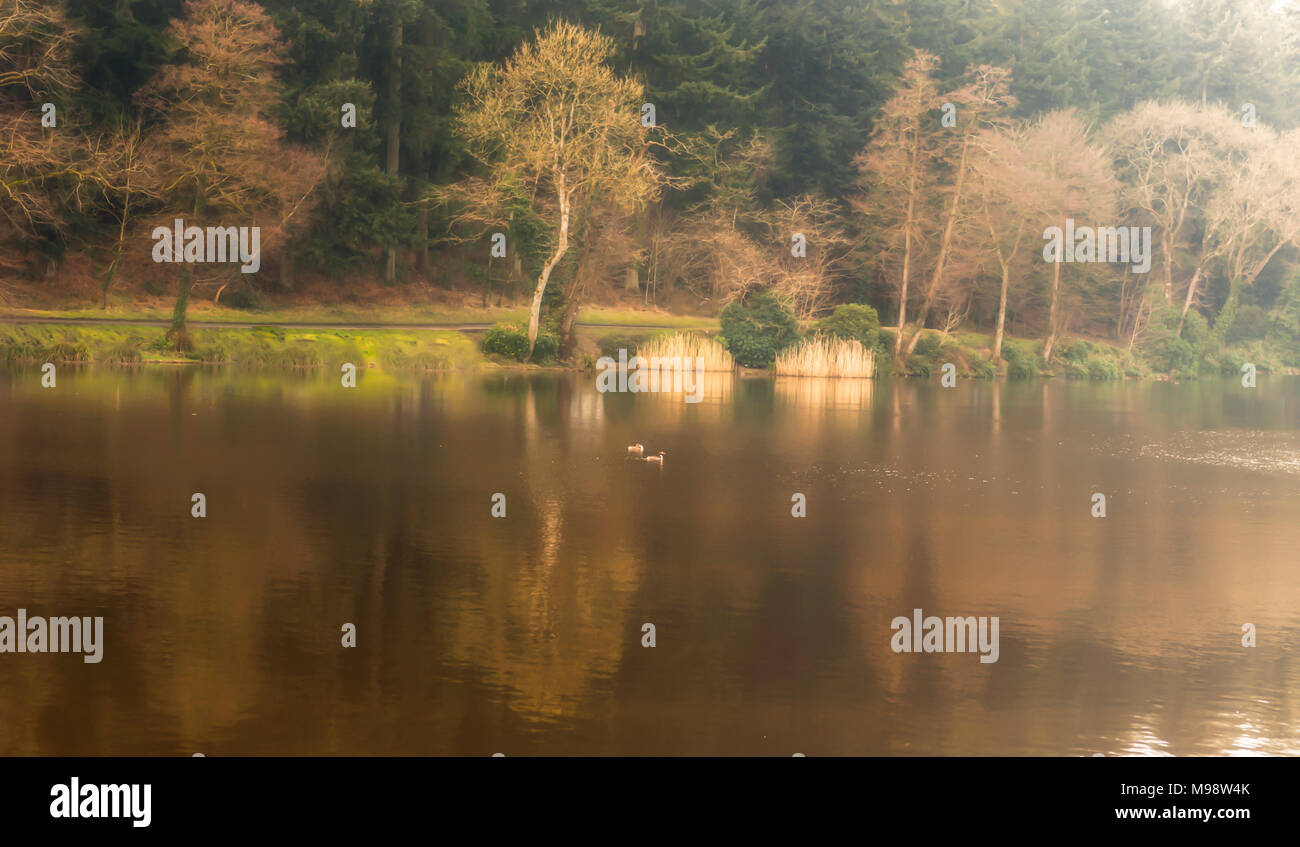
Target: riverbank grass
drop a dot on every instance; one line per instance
(825, 356)
(682, 346)
(258, 347)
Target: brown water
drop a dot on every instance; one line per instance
(522, 635)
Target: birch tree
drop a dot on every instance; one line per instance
(556, 118)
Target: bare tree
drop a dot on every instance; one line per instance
(1074, 180)
(1008, 204)
(805, 282)
(36, 63)
(982, 102)
(559, 120)
(895, 174)
(220, 153)
(1254, 214)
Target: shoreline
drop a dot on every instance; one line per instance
(304, 340)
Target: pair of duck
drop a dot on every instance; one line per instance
(636, 450)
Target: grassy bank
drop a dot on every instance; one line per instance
(201, 311)
(261, 347)
(400, 349)
(1074, 358)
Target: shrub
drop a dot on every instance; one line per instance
(547, 348)
(247, 298)
(509, 340)
(1252, 322)
(927, 345)
(1196, 329)
(981, 366)
(1019, 357)
(1077, 351)
(851, 322)
(1104, 367)
(755, 331)
(1171, 354)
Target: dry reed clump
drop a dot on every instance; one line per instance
(688, 345)
(822, 356)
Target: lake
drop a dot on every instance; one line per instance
(523, 634)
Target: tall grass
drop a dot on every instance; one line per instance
(822, 356)
(688, 345)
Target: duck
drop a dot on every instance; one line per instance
(658, 460)
(635, 450)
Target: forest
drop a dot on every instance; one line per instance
(894, 172)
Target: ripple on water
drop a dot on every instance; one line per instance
(1253, 450)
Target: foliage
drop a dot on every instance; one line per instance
(756, 330)
(854, 321)
(509, 340)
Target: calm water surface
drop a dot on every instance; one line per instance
(522, 635)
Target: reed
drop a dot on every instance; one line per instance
(688, 345)
(822, 356)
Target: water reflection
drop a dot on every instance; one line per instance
(522, 634)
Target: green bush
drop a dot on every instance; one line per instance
(1171, 354)
(247, 298)
(1252, 322)
(1104, 367)
(1020, 359)
(547, 348)
(927, 345)
(755, 331)
(1196, 329)
(1077, 351)
(509, 340)
(981, 366)
(852, 322)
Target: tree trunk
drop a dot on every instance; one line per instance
(567, 341)
(121, 242)
(177, 335)
(109, 274)
(1002, 316)
(1228, 314)
(1051, 312)
(1168, 245)
(907, 262)
(562, 245)
(286, 269)
(422, 251)
(945, 245)
(1187, 303)
(394, 125)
